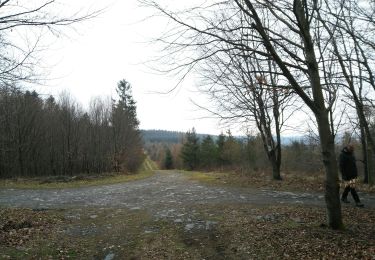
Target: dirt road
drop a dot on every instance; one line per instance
(169, 216)
(164, 194)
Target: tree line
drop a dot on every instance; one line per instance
(40, 137)
(243, 155)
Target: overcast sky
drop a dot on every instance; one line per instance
(89, 62)
(91, 58)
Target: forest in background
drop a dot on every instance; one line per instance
(44, 137)
(244, 154)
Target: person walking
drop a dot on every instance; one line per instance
(349, 173)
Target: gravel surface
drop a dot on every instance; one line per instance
(165, 195)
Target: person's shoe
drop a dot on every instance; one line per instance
(359, 205)
(345, 200)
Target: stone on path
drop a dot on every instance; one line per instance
(209, 224)
(109, 256)
(189, 227)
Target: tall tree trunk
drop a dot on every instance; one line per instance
(276, 114)
(332, 187)
(317, 105)
(371, 167)
(368, 144)
(20, 143)
(275, 166)
(273, 153)
(264, 127)
(365, 156)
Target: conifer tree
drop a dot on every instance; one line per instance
(190, 150)
(231, 150)
(168, 161)
(220, 150)
(208, 154)
(128, 141)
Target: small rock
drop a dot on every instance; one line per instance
(178, 220)
(209, 224)
(109, 256)
(39, 209)
(189, 227)
(93, 216)
(297, 220)
(76, 216)
(268, 217)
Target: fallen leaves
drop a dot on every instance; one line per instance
(283, 237)
(18, 226)
(241, 231)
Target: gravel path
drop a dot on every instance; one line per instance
(165, 195)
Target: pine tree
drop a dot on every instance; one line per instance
(220, 150)
(208, 154)
(168, 161)
(128, 153)
(190, 150)
(232, 150)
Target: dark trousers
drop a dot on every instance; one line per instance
(353, 191)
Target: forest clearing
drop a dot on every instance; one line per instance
(283, 166)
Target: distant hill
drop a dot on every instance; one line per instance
(164, 136)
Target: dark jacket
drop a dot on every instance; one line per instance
(348, 167)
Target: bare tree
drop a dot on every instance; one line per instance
(22, 26)
(291, 34)
(299, 63)
(354, 55)
(245, 90)
(243, 87)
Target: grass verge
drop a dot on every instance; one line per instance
(290, 182)
(145, 171)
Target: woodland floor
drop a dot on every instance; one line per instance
(179, 215)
